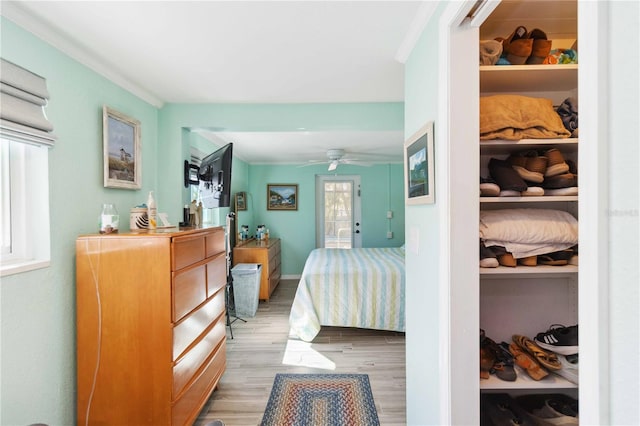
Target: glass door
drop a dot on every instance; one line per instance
(338, 212)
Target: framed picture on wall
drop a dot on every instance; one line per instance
(418, 166)
(282, 196)
(241, 201)
(122, 150)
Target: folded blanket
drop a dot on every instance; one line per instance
(515, 117)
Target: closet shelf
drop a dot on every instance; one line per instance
(540, 271)
(527, 78)
(543, 199)
(552, 381)
(501, 146)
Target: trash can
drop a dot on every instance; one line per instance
(246, 288)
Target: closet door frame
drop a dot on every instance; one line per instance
(458, 204)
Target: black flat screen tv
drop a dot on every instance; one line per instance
(215, 178)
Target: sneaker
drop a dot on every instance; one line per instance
(569, 368)
(559, 339)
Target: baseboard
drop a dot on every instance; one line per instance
(290, 277)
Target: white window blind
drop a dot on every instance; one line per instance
(23, 96)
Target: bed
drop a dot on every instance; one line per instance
(359, 287)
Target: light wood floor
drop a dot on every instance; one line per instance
(261, 347)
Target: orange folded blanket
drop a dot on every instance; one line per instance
(515, 117)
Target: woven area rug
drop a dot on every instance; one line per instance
(321, 399)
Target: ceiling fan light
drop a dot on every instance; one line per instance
(333, 165)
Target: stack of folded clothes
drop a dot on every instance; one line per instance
(528, 237)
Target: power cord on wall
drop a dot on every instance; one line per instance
(99, 346)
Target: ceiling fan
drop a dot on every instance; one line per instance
(335, 157)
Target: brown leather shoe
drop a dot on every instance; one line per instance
(541, 47)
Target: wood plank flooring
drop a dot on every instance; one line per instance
(261, 347)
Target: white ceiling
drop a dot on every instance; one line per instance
(244, 52)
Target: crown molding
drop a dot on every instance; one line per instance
(18, 14)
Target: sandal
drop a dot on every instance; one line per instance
(545, 358)
(527, 363)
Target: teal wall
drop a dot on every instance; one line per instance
(422, 224)
(381, 191)
(37, 308)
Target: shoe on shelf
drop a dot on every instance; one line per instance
(487, 356)
(547, 359)
(488, 187)
(569, 368)
(536, 405)
(505, 176)
(540, 48)
(507, 259)
(488, 258)
(562, 192)
(528, 261)
(556, 164)
(527, 362)
(533, 191)
(564, 180)
(530, 166)
(502, 410)
(517, 48)
(559, 339)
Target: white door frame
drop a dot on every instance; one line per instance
(356, 210)
(459, 293)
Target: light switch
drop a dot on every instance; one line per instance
(389, 234)
(389, 214)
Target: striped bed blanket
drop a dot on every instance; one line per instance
(359, 287)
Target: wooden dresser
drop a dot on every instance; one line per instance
(267, 253)
(150, 320)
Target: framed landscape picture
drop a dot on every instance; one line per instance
(282, 196)
(122, 150)
(418, 166)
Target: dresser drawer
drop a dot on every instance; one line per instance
(187, 251)
(192, 326)
(189, 290)
(183, 409)
(214, 243)
(216, 274)
(187, 367)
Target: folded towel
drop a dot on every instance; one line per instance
(515, 117)
(568, 112)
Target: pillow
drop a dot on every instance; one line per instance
(529, 226)
(528, 232)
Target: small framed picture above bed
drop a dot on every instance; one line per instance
(418, 167)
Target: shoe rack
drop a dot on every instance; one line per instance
(528, 299)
